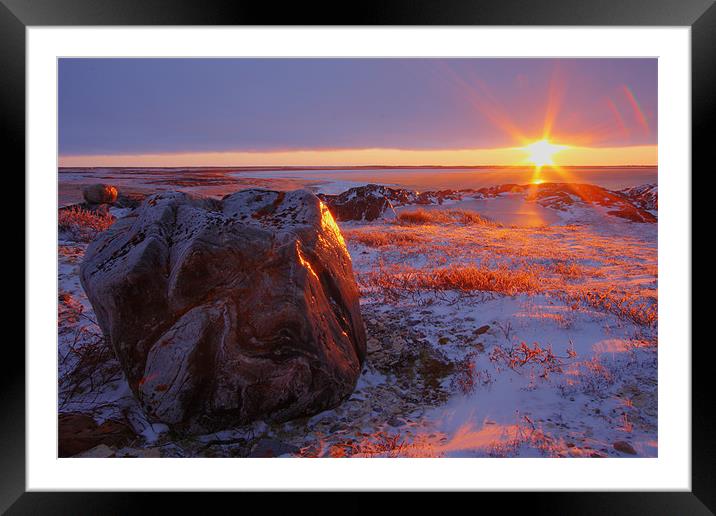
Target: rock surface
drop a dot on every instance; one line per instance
(129, 200)
(374, 201)
(225, 312)
(644, 196)
(370, 202)
(361, 203)
(562, 195)
(99, 194)
(624, 447)
(79, 432)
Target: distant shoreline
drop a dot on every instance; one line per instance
(361, 167)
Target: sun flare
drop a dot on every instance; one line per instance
(541, 153)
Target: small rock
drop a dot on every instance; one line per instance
(443, 340)
(624, 447)
(100, 194)
(143, 453)
(395, 422)
(482, 329)
(373, 345)
(398, 344)
(78, 432)
(101, 451)
(267, 447)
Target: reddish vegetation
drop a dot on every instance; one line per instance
(572, 270)
(83, 225)
(464, 279)
(443, 217)
(69, 310)
(541, 359)
(381, 238)
(465, 377)
(625, 306)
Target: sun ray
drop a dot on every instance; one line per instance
(638, 113)
(480, 97)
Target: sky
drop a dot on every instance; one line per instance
(348, 112)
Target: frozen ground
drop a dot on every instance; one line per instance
(485, 339)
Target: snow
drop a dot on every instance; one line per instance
(600, 388)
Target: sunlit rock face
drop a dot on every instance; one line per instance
(361, 203)
(631, 203)
(99, 194)
(561, 196)
(643, 196)
(372, 201)
(225, 312)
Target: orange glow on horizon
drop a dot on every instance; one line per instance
(512, 156)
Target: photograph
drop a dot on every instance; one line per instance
(384, 257)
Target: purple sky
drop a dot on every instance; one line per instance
(133, 106)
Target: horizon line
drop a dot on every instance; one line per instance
(250, 168)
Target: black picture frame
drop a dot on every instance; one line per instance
(17, 15)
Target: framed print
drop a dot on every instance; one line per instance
(423, 252)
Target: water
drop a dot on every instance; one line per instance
(506, 210)
(459, 178)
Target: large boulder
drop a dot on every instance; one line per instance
(225, 312)
(99, 194)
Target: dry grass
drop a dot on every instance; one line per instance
(83, 225)
(572, 264)
(539, 360)
(69, 311)
(572, 270)
(396, 281)
(424, 217)
(589, 377)
(626, 306)
(467, 377)
(90, 365)
(381, 238)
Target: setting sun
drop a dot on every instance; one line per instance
(542, 152)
